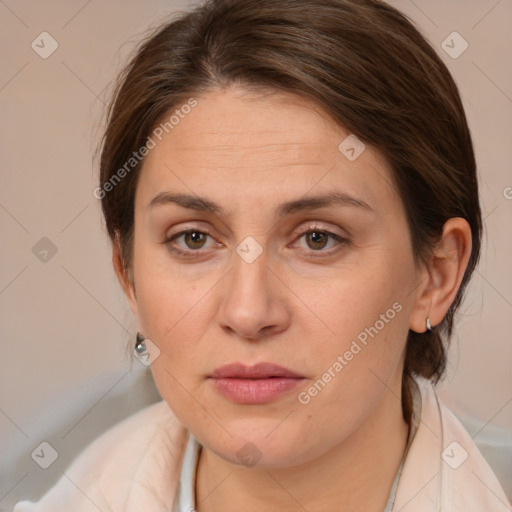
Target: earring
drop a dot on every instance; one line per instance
(140, 346)
(429, 325)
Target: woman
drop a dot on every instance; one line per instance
(291, 193)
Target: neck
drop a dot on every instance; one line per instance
(357, 474)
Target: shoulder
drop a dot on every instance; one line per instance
(444, 469)
(135, 460)
(469, 483)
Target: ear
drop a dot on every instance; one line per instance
(124, 277)
(443, 275)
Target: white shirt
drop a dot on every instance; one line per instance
(137, 465)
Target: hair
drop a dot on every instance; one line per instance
(363, 62)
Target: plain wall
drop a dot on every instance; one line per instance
(65, 372)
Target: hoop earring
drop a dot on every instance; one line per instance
(429, 325)
(140, 346)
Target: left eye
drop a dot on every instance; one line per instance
(317, 239)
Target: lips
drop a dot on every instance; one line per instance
(254, 385)
(258, 371)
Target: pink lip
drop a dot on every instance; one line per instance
(252, 385)
(257, 371)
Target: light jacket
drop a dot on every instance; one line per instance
(136, 466)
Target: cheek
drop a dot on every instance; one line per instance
(367, 344)
(354, 367)
(367, 298)
(366, 310)
(168, 294)
(173, 312)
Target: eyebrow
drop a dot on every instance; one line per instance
(195, 202)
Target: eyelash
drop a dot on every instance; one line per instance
(311, 229)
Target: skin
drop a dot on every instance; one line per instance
(248, 153)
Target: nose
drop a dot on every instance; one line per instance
(254, 303)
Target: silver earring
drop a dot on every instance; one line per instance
(429, 325)
(140, 346)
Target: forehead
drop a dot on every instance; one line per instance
(233, 124)
(246, 145)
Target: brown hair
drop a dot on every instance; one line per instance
(363, 62)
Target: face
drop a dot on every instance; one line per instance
(280, 320)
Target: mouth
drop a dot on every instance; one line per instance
(253, 385)
(257, 371)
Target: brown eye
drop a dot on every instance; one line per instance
(318, 239)
(194, 239)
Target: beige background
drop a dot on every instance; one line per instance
(65, 372)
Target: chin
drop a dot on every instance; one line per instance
(258, 448)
